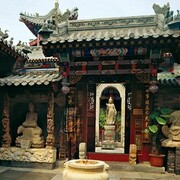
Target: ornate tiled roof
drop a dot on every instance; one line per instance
(66, 28)
(37, 69)
(14, 50)
(167, 81)
(29, 79)
(113, 28)
(169, 78)
(37, 55)
(98, 34)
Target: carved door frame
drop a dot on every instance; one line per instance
(122, 92)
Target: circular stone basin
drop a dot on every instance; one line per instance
(80, 169)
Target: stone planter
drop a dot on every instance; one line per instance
(81, 169)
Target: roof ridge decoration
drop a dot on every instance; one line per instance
(8, 43)
(177, 17)
(165, 11)
(52, 19)
(168, 15)
(109, 23)
(3, 35)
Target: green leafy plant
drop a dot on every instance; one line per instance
(158, 118)
(118, 127)
(102, 118)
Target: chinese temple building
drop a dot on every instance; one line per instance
(75, 66)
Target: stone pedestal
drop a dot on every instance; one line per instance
(28, 157)
(177, 161)
(108, 141)
(173, 160)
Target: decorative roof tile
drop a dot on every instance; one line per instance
(37, 55)
(29, 79)
(9, 45)
(167, 78)
(116, 34)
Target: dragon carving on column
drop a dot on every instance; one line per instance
(50, 122)
(6, 138)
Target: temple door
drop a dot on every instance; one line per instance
(137, 116)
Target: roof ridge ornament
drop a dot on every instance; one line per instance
(56, 1)
(4, 35)
(177, 17)
(175, 24)
(165, 11)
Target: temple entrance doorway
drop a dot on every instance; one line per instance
(109, 138)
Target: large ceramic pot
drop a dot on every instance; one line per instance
(81, 169)
(156, 160)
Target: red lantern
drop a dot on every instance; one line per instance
(65, 89)
(153, 88)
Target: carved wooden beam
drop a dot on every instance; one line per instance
(109, 67)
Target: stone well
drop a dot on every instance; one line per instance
(80, 169)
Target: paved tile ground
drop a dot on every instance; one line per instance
(25, 175)
(11, 173)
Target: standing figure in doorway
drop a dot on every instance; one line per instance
(110, 112)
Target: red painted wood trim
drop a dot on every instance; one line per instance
(96, 63)
(108, 157)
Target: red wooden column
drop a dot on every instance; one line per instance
(91, 118)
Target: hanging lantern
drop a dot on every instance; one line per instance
(65, 89)
(153, 88)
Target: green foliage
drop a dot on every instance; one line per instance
(118, 119)
(158, 118)
(102, 118)
(154, 114)
(161, 120)
(166, 111)
(153, 128)
(118, 127)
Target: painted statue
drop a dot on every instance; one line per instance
(110, 112)
(30, 130)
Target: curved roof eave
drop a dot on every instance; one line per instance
(12, 48)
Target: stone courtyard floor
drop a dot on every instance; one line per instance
(115, 173)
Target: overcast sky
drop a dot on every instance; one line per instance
(88, 9)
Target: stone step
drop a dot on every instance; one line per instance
(125, 166)
(141, 167)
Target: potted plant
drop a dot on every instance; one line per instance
(158, 118)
